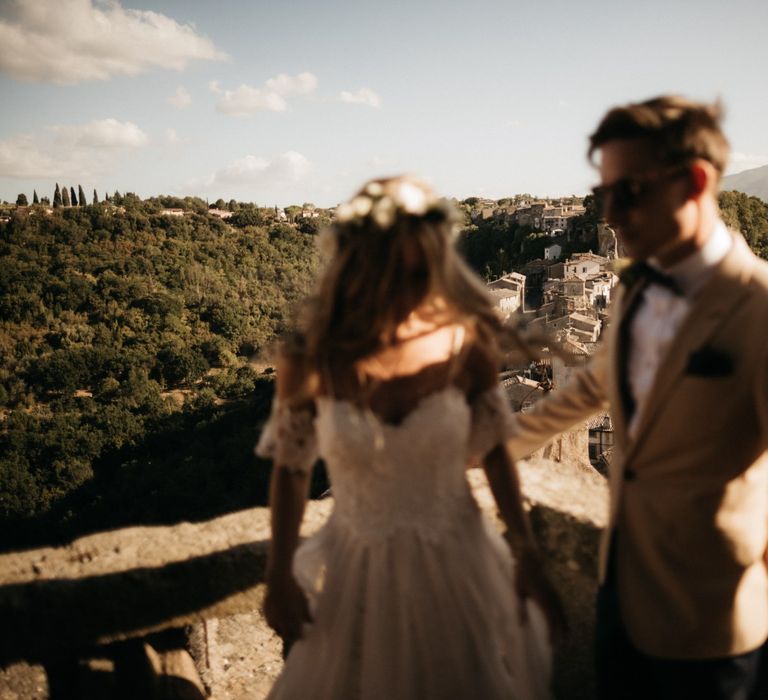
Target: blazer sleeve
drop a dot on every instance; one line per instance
(582, 396)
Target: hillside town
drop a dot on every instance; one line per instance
(567, 300)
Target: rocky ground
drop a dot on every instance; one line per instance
(238, 657)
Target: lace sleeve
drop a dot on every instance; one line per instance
(492, 421)
(288, 438)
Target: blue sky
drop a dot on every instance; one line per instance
(287, 102)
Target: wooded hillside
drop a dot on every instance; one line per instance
(126, 388)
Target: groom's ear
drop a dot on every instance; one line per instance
(702, 178)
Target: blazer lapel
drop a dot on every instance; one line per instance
(709, 308)
(616, 339)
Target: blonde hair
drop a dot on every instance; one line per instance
(679, 129)
(391, 251)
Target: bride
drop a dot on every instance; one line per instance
(406, 592)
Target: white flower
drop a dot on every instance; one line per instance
(412, 198)
(361, 205)
(345, 212)
(383, 212)
(374, 189)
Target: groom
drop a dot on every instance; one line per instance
(682, 609)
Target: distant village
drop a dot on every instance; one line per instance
(565, 299)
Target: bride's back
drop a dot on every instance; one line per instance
(424, 359)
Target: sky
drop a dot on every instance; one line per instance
(290, 101)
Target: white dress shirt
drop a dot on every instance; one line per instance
(662, 312)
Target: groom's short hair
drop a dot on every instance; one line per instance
(678, 129)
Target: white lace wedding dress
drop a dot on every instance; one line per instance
(410, 588)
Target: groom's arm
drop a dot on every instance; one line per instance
(761, 402)
(582, 396)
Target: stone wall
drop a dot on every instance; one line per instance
(180, 603)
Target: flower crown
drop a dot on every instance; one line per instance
(382, 205)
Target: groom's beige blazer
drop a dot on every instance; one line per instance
(689, 491)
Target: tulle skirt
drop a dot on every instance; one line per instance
(415, 616)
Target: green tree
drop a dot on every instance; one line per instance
(35, 198)
(749, 215)
(179, 365)
(21, 200)
(310, 226)
(246, 217)
(81, 196)
(220, 204)
(72, 196)
(65, 196)
(292, 212)
(57, 200)
(95, 196)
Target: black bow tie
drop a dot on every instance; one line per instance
(649, 274)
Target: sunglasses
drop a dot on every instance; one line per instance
(628, 191)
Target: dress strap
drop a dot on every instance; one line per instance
(457, 345)
(458, 340)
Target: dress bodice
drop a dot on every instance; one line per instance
(389, 476)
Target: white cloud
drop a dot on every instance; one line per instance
(21, 156)
(289, 167)
(246, 100)
(104, 133)
(745, 161)
(364, 96)
(171, 136)
(514, 124)
(69, 150)
(181, 98)
(300, 84)
(69, 41)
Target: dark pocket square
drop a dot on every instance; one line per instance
(709, 362)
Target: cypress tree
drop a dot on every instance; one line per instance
(57, 196)
(65, 196)
(35, 199)
(95, 196)
(80, 196)
(72, 196)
